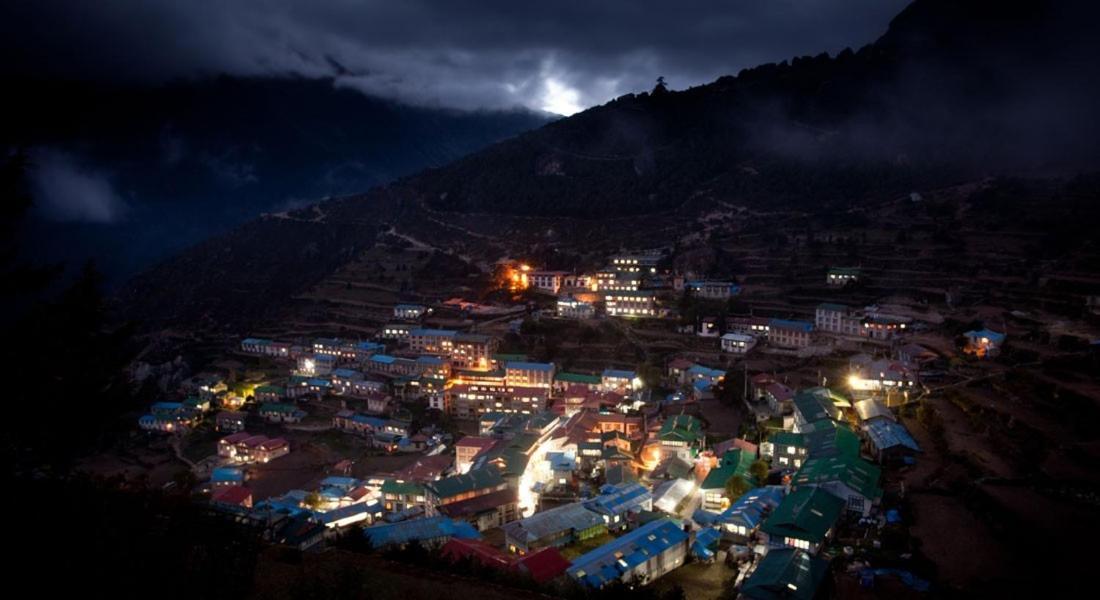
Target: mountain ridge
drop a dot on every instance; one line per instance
(817, 134)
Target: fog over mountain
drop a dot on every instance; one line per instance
(555, 56)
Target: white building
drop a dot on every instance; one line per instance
(631, 304)
(737, 343)
(549, 282)
(571, 308)
(410, 312)
(837, 318)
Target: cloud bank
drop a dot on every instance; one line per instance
(554, 56)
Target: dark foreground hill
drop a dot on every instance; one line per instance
(952, 92)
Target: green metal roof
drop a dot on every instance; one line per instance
(577, 378)
(785, 573)
(733, 463)
(684, 428)
(831, 439)
(485, 477)
(805, 514)
(787, 438)
(856, 473)
(404, 488)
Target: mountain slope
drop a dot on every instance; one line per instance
(953, 91)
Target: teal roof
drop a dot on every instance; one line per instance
(805, 514)
(831, 439)
(400, 487)
(684, 428)
(856, 473)
(733, 463)
(577, 378)
(477, 479)
(785, 573)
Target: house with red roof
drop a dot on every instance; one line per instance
(235, 496)
(469, 448)
(544, 565)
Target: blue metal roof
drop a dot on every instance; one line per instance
(706, 539)
(619, 373)
(383, 358)
(426, 529)
(750, 509)
(226, 474)
(885, 433)
(993, 336)
(619, 499)
(433, 332)
(788, 324)
(610, 561)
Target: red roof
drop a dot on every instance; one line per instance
(458, 549)
(478, 504)
(426, 468)
(474, 441)
(237, 495)
(543, 565)
(272, 444)
(255, 441)
(236, 437)
(680, 363)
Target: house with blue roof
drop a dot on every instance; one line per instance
(784, 333)
(706, 542)
(224, 476)
(748, 512)
(616, 502)
(890, 441)
(620, 380)
(639, 557)
(430, 531)
(168, 417)
(983, 342)
(529, 374)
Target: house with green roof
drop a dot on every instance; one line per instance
(804, 519)
(850, 478)
(276, 412)
(563, 380)
(681, 435)
(734, 463)
(786, 449)
(817, 404)
(269, 393)
(399, 495)
(787, 573)
(841, 276)
(830, 438)
(472, 484)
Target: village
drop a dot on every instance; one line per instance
(769, 460)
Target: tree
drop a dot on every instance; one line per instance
(661, 88)
(312, 500)
(759, 471)
(736, 487)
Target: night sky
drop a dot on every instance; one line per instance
(559, 57)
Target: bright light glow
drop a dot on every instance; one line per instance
(560, 99)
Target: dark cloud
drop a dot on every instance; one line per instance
(70, 191)
(485, 54)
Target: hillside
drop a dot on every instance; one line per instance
(948, 94)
